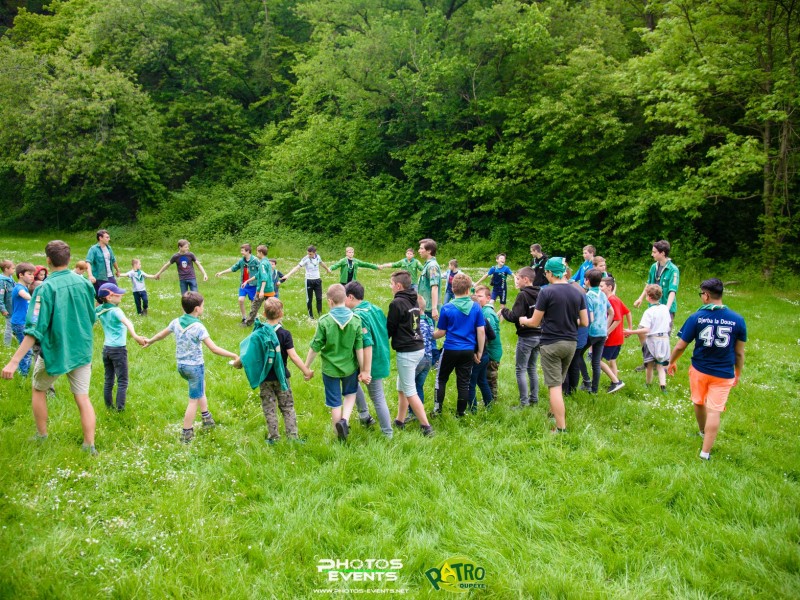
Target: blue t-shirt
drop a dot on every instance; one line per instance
(715, 333)
(597, 305)
(19, 305)
(580, 274)
(460, 328)
(499, 275)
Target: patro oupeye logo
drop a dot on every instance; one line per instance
(457, 574)
(357, 569)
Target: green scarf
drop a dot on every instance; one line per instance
(187, 320)
(138, 275)
(464, 304)
(712, 307)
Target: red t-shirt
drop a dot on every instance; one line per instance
(615, 338)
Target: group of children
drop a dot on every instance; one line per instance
(354, 337)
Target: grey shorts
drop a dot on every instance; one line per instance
(656, 349)
(555, 361)
(79, 378)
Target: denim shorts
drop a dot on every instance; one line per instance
(611, 352)
(406, 371)
(196, 376)
(249, 291)
(337, 387)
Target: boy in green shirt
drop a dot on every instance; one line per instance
(6, 287)
(263, 280)
(494, 347)
(60, 318)
(376, 356)
(430, 278)
(410, 264)
(349, 265)
(340, 341)
(248, 264)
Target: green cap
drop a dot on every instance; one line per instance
(556, 265)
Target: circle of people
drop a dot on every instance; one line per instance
(558, 315)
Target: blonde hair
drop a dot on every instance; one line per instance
(336, 293)
(461, 284)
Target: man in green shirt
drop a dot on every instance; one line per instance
(348, 266)
(102, 262)
(430, 278)
(376, 356)
(340, 341)
(410, 264)
(60, 318)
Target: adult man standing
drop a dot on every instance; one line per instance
(538, 261)
(719, 336)
(665, 273)
(560, 308)
(430, 278)
(102, 263)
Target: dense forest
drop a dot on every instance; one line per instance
(512, 121)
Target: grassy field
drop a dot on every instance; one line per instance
(621, 507)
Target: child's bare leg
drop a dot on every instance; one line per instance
(700, 414)
(191, 411)
(418, 409)
(711, 430)
(241, 306)
(347, 406)
(336, 416)
(648, 375)
(557, 407)
(609, 371)
(662, 375)
(612, 364)
(39, 405)
(402, 406)
(88, 420)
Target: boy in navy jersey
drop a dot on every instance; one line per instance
(719, 336)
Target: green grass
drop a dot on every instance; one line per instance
(619, 507)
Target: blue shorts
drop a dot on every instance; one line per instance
(337, 387)
(611, 352)
(196, 376)
(499, 293)
(249, 291)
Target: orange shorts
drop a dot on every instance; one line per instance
(709, 390)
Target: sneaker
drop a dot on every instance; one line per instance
(144, 312)
(368, 421)
(187, 435)
(296, 440)
(557, 431)
(663, 389)
(272, 441)
(615, 387)
(342, 429)
(51, 392)
(586, 387)
(410, 417)
(640, 369)
(437, 410)
(702, 434)
(209, 422)
(38, 437)
(519, 406)
(399, 424)
(427, 431)
(89, 448)
(704, 456)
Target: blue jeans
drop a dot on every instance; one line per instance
(25, 363)
(115, 361)
(526, 358)
(479, 379)
(420, 375)
(188, 285)
(140, 298)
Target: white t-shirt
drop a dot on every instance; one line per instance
(312, 266)
(137, 280)
(656, 319)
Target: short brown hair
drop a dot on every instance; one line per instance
(403, 278)
(536, 247)
(461, 284)
(246, 247)
(597, 260)
(591, 249)
(429, 245)
(483, 288)
(273, 308)
(662, 246)
(262, 249)
(610, 282)
(653, 291)
(182, 243)
(5, 264)
(595, 276)
(527, 273)
(58, 253)
(336, 293)
(190, 301)
(101, 233)
(82, 265)
(311, 248)
(24, 267)
(354, 289)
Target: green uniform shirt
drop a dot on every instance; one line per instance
(98, 263)
(60, 317)
(431, 276)
(376, 336)
(345, 268)
(495, 346)
(252, 266)
(264, 275)
(669, 281)
(413, 266)
(337, 345)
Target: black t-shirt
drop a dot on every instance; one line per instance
(185, 265)
(537, 264)
(561, 304)
(287, 343)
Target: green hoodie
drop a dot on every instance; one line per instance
(260, 353)
(493, 347)
(464, 304)
(376, 336)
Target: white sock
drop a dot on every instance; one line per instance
(705, 455)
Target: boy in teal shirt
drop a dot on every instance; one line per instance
(349, 265)
(263, 279)
(248, 265)
(339, 340)
(115, 351)
(429, 286)
(376, 356)
(60, 318)
(494, 347)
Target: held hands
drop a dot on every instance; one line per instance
(236, 364)
(637, 303)
(477, 358)
(308, 374)
(672, 368)
(141, 340)
(365, 377)
(218, 274)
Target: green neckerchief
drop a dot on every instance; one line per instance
(464, 304)
(138, 275)
(712, 307)
(187, 320)
(342, 315)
